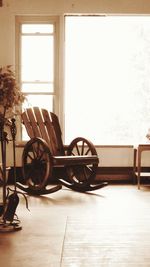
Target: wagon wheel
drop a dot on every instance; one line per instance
(37, 164)
(82, 175)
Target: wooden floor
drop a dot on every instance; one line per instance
(109, 227)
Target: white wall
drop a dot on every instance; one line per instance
(108, 156)
(76, 6)
(56, 7)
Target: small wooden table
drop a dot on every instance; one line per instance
(140, 149)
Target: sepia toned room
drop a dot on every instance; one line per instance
(74, 133)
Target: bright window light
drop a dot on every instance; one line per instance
(37, 66)
(37, 61)
(107, 80)
(37, 28)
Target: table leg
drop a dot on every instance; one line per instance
(134, 166)
(139, 168)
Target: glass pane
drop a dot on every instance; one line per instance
(37, 58)
(107, 79)
(41, 101)
(37, 28)
(37, 87)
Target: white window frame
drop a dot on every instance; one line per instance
(39, 20)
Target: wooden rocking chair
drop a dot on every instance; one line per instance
(44, 155)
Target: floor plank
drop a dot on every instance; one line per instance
(108, 227)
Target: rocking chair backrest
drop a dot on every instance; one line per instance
(44, 124)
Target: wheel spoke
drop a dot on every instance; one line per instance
(87, 152)
(87, 171)
(82, 174)
(71, 174)
(29, 156)
(41, 155)
(82, 149)
(37, 151)
(36, 163)
(33, 151)
(77, 148)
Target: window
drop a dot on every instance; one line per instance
(107, 77)
(37, 61)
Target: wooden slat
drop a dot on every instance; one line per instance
(41, 124)
(58, 132)
(33, 123)
(27, 124)
(50, 130)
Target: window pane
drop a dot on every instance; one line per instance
(37, 47)
(37, 58)
(41, 101)
(107, 79)
(37, 87)
(37, 28)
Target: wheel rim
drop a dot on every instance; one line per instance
(36, 163)
(82, 174)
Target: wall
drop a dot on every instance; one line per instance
(11, 8)
(109, 156)
(76, 6)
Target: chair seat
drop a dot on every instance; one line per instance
(75, 160)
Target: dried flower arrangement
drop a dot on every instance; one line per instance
(11, 96)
